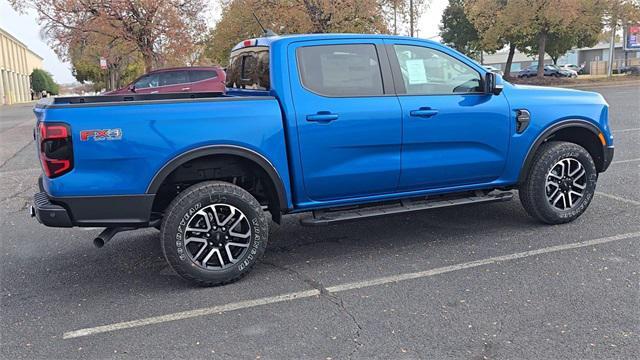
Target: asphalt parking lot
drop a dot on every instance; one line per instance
(475, 282)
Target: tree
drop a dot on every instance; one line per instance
(290, 17)
(618, 13)
(156, 28)
(493, 20)
(558, 43)
(539, 19)
(43, 81)
(124, 63)
(457, 31)
(407, 11)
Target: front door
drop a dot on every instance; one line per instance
(348, 119)
(453, 133)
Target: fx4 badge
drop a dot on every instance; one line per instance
(99, 135)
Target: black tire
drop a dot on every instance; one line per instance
(183, 210)
(534, 192)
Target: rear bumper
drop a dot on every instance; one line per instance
(93, 211)
(608, 157)
(49, 214)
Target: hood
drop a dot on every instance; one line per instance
(555, 95)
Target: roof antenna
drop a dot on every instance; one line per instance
(265, 32)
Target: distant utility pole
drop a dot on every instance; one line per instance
(612, 49)
(411, 18)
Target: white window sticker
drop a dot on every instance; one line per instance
(416, 70)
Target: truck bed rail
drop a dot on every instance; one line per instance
(67, 100)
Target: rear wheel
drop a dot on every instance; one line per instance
(560, 184)
(214, 233)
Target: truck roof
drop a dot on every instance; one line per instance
(268, 41)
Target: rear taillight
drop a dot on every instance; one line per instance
(56, 148)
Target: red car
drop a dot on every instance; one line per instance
(173, 80)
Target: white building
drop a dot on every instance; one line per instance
(16, 64)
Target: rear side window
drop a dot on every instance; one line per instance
(249, 69)
(340, 70)
(199, 75)
(173, 77)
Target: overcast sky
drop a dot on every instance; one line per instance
(25, 29)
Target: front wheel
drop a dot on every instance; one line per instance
(214, 233)
(560, 183)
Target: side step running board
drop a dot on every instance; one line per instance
(331, 216)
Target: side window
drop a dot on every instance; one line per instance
(173, 77)
(340, 70)
(199, 75)
(149, 81)
(427, 71)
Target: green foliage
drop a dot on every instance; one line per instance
(559, 43)
(457, 31)
(43, 81)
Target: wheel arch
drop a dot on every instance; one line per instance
(577, 131)
(225, 150)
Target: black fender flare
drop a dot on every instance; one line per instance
(248, 154)
(524, 170)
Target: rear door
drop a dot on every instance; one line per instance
(453, 133)
(347, 116)
(174, 81)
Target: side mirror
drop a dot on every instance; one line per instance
(132, 87)
(491, 87)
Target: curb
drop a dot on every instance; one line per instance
(601, 84)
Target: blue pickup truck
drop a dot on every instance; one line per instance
(336, 126)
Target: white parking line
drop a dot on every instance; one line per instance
(337, 288)
(191, 314)
(614, 197)
(624, 161)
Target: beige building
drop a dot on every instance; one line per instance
(16, 64)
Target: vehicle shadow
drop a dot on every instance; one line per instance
(133, 261)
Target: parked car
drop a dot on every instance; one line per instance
(578, 69)
(337, 126)
(549, 70)
(632, 70)
(493, 69)
(173, 80)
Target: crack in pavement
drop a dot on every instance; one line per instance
(331, 297)
(22, 195)
(288, 248)
(16, 154)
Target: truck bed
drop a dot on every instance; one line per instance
(154, 129)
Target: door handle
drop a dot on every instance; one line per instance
(322, 117)
(424, 112)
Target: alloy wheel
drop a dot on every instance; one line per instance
(217, 236)
(566, 183)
